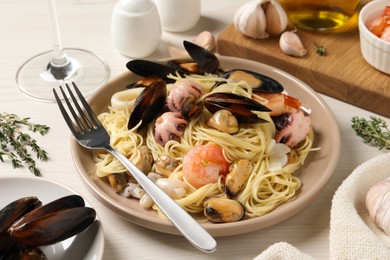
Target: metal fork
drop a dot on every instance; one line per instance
(90, 133)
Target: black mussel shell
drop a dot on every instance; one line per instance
(148, 104)
(143, 83)
(70, 201)
(239, 106)
(147, 68)
(231, 98)
(11, 213)
(185, 67)
(259, 82)
(206, 60)
(20, 252)
(53, 227)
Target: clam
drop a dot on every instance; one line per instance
(223, 210)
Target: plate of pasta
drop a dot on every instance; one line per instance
(238, 172)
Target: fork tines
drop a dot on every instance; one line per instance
(86, 119)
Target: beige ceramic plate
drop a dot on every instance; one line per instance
(314, 174)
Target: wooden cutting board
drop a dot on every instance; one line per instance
(342, 73)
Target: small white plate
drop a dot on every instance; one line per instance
(88, 244)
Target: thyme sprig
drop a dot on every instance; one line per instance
(320, 49)
(17, 145)
(374, 131)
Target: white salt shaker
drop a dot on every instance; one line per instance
(135, 27)
(178, 15)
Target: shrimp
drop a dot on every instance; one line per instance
(279, 103)
(204, 164)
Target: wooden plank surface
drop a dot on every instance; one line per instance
(342, 73)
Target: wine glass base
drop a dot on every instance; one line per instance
(37, 77)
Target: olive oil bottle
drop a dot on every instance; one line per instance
(320, 14)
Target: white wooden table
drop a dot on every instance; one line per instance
(25, 31)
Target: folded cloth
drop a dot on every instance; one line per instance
(282, 251)
(352, 234)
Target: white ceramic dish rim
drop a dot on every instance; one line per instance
(369, 12)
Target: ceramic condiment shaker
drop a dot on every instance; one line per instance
(178, 15)
(136, 28)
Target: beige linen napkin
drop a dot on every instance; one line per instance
(281, 251)
(352, 234)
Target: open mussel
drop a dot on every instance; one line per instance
(27, 225)
(52, 227)
(12, 212)
(205, 59)
(241, 107)
(258, 82)
(146, 68)
(148, 104)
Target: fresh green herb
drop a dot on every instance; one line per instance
(17, 145)
(374, 131)
(320, 49)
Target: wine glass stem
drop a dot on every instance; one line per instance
(59, 58)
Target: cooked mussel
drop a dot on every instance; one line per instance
(205, 59)
(237, 177)
(52, 227)
(27, 225)
(20, 252)
(148, 104)
(12, 212)
(148, 68)
(258, 82)
(241, 107)
(223, 210)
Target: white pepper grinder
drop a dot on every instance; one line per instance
(136, 28)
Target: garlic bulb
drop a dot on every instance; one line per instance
(261, 18)
(291, 44)
(378, 204)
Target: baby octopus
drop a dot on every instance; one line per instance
(169, 126)
(292, 128)
(180, 91)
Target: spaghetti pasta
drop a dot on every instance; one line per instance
(264, 190)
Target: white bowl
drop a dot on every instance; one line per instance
(375, 50)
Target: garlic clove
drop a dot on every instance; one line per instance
(378, 204)
(291, 44)
(276, 18)
(206, 40)
(250, 20)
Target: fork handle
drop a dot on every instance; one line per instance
(191, 229)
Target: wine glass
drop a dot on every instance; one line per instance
(40, 74)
